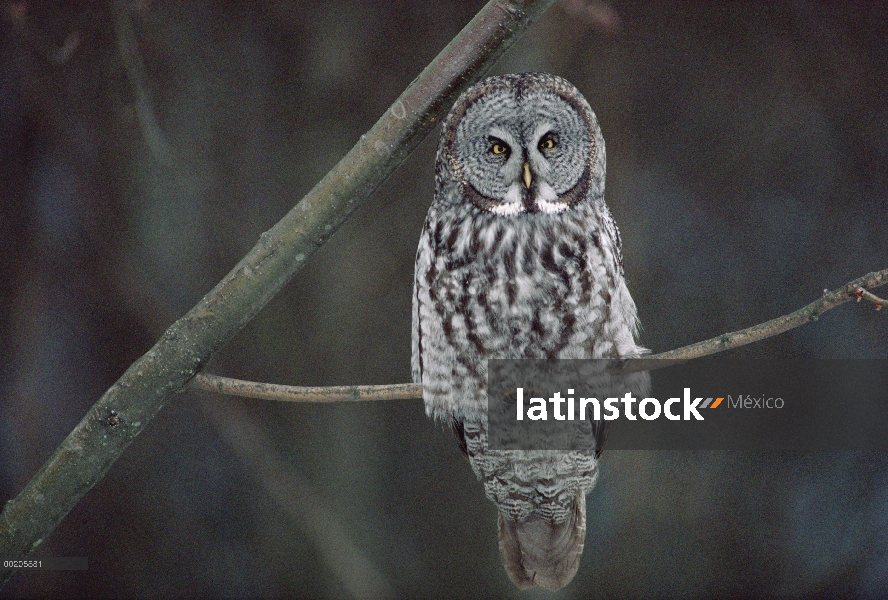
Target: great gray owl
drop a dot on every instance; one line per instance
(519, 258)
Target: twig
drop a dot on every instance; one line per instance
(407, 391)
(862, 293)
(134, 400)
(811, 312)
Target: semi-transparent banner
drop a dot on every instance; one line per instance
(707, 404)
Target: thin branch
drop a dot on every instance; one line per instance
(134, 400)
(408, 391)
(862, 293)
(294, 393)
(806, 314)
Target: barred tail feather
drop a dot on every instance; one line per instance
(542, 553)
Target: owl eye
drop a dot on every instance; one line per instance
(548, 142)
(498, 147)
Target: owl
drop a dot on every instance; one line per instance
(519, 257)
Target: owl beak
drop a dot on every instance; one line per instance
(526, 175)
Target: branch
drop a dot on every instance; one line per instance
(127, 45)
(294, 393)
(862, 293)
(134, 400)
(408, 391)
(779, 325)
(22, 23)
(302, 502)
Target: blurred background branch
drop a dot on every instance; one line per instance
(134, 400)
(53, 53)
(127, 45)
(302, 502)
(408, 391)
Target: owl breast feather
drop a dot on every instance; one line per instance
(536, 286)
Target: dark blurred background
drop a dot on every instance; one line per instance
(747, 168)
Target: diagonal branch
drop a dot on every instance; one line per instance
(134, 400)
(406, 391)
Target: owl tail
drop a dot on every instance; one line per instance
(542, 553)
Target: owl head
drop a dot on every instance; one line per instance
(523, 144)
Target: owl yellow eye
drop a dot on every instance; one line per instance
(499, 148)
(547, 143)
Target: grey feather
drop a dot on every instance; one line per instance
(504, 270)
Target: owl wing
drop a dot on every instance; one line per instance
(420, 287)
(613, 234)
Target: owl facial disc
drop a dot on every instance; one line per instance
(520, 151)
